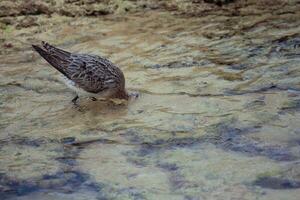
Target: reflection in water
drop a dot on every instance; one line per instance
(217, 116)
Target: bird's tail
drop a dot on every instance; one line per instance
(56, 51)
(54, 56)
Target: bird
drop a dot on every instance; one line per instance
(88, 75)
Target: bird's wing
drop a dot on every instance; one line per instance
(87, 73)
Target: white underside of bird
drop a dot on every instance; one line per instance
(81, 92)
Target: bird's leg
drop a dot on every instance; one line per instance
(76, 106)
(93, 99)
(75, 99)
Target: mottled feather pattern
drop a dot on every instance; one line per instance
(91, 73)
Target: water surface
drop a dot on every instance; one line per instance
(217, 117)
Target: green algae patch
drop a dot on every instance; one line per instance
(229, 76)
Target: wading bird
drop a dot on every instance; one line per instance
(88, 75)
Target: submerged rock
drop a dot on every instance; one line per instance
(34, 8)
(238, 139)
(8, 8)
(17, 8)
(219, 2)
(26, 22)
(277, 183)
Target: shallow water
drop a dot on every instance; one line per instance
(217, 117)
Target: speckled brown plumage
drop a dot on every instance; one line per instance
(93, 75)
